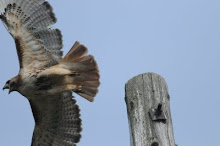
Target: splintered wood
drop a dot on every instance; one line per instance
(148, 109)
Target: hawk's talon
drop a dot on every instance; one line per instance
(79, 89)
(74, 74)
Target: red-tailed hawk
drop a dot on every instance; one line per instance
(45, 78)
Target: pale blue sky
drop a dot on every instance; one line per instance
(178, 39)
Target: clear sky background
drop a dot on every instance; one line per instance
(178, 39)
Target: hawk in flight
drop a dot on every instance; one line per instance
(45, 78)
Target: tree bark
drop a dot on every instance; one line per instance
(148, 110)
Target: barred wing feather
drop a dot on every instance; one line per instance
(57, 117)
(57, 120)
(30, 24)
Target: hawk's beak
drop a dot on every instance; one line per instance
(6, 87)
(10, 90)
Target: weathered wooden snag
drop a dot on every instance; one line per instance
(148, 109)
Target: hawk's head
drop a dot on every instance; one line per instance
(12, 84)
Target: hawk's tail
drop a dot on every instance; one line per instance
(84, 71)
(79, 70)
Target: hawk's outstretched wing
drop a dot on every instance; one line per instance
(57, 120)
(29, 22)
(39, 46)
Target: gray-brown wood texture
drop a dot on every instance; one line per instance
(148, 109)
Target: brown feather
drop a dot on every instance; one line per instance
(36, 43)
(45, 83)
(80, 72)
(57, 120)
(75, 53)
(20, 51)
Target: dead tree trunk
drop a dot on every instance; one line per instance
(148, 109)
